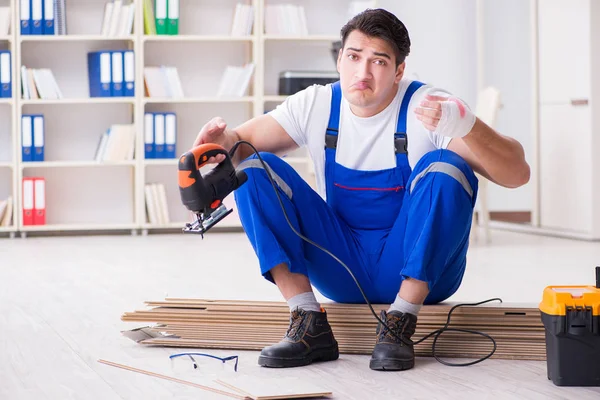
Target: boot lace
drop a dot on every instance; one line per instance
(393, 325)
(296, 324)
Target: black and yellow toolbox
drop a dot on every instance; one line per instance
(571, 317)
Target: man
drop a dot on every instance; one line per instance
(394, 162)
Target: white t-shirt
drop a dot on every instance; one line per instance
(363, 143)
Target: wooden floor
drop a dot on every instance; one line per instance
(61, 299)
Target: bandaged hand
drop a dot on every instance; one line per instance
(446, 116)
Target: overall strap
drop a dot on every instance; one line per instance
(400, 137)
(331, 134)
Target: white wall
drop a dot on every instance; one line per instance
(507, 60)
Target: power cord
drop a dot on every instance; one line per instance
(435, 333)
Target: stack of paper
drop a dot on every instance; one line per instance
(242, 20)
(162, 81)
(118, 18)
(6, 211)
(235, 81)
(117, 144)
(157, 210)
(285, 19)
(39, 84)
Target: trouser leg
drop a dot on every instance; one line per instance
(275, 242)
(429, 241)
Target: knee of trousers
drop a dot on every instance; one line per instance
(257, 175)
(449, 163)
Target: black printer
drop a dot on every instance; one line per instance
(291, 82)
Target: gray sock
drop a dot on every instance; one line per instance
(404, 306)
(306, 301)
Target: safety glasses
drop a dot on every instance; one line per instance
(202, 363)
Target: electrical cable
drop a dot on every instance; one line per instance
(435, 333)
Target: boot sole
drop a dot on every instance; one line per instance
(391, 364)
(330, 354)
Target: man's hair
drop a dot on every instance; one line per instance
(381, 24)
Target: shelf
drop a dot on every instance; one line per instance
(162, 161)
(73, 38)
(171, 225)
(76, 227)
(274, 98)
(197, 38)
(194, 100)
(6, 38)
(180, 225)
(6, 164)
(6, 101)
(89, 100)
(307, 38)
(67, 164)
(8, 228)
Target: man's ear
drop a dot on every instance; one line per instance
(400, 72)
(339, 60)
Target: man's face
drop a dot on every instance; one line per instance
(368, 72)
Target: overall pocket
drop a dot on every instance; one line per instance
(368, 207)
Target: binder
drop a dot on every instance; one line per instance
(26, 138)
(149, 136)
(173, 17)
(38, 137)
(117, 73)
(48, 17)
(5, 74)
(160, 12)
(129, 73)
(37, 17)
(170, 134)
(28, 201)
(25, 16)
(39, 201)
(99, 73)
(159, 135)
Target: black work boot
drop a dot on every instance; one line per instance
(390, 353)
(309, 338)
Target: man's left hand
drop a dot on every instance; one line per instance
(446, 116)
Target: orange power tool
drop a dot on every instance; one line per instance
(203, 195)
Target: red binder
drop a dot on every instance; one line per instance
(39, 204)
(28, 200)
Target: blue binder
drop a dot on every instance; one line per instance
(26, 138)
(170, 134)
(117, 73)
(5, 74)
(129, 73)
(149, 152)
(38, 136)
(25, 16)
(49, 17)
(100, 73)
(37, 17)
(159, 135)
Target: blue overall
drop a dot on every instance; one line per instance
(385, 225)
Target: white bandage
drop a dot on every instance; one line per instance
(457, 119)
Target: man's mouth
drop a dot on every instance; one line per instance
(362, 85)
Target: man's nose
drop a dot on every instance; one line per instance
(363, 71)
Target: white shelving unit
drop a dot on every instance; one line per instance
(8, 147)
(86, 195)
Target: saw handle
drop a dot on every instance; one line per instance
(206, 193)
